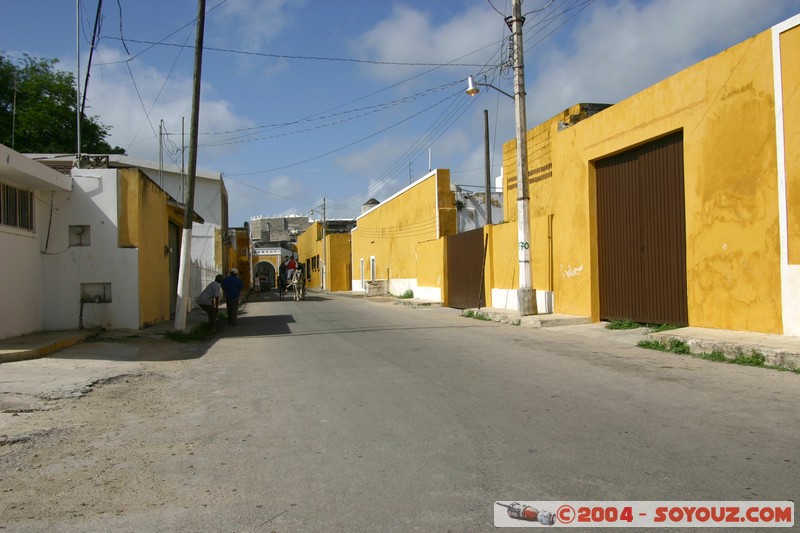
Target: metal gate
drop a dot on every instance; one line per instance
(641, 233)
(465, 269)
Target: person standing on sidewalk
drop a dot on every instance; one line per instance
(208, 300)
(232, 286)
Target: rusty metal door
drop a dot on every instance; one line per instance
(465, 269)
(641, 233)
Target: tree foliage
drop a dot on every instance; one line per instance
(38, 110)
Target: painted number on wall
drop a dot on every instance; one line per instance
(524, 246)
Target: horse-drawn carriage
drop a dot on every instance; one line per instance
(296, 282)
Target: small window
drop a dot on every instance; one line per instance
(97, 293)
(16, 207)
(80, 236)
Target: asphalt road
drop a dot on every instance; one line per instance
(341, 414)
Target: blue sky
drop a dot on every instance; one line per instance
(351, 99)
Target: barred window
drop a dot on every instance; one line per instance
(16, 207)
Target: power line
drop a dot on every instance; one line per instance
(308, 58)
(406, 119)
(368, 110)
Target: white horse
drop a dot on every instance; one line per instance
(298, 284)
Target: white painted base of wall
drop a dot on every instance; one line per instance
(790, 279)
(507, 299)
(401, 285)
(432, 294)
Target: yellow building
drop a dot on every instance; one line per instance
(144, 218)
(265, 263)
(675, 205)
(239, 256)
(334, 255)
(385, 254)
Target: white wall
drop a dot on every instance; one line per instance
(207, 204)
(93, 202)
(20, 265)
(790, 274)
(20, 259)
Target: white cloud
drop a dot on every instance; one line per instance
(115, 99)
(623, 47)
(253, 23)
(286, 187)
(375, 158)
(411, 35)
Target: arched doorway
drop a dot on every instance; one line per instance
(265, 270)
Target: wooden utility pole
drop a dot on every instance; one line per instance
(186, 238)
(488, 167)
(526, 296)
(324, 247)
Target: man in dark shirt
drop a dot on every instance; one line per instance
(232, 287)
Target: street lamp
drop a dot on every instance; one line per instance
(472, 90)
(526, 296)
(324, 250)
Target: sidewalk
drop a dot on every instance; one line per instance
(778, 350)
(44, 343)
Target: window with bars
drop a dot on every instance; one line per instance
(16, 207)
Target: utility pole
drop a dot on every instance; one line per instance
(186, 238)
(526, 295)
(161, 153)
(488, 167)
(183, 157)
(324, 247)
(78, 81)
(91, 54)
(14, 113)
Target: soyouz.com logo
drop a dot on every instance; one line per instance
(596, 514)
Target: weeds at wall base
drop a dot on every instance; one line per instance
(630, 324)
(754, 358)
(477, 315)
(198, 333)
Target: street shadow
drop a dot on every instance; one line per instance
(376, 329)
(273, 296)
(135, 348)
(257, 326)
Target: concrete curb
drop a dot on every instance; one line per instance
(535, 321)
(41, 344)
(744, 344)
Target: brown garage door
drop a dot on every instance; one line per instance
(464, 269)
(641, 233)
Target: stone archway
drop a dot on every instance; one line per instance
(265, 269)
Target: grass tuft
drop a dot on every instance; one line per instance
(477, 315)
(200, 332)
(623, 324)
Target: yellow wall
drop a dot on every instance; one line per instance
(143, 224)
(337, 246)
(724, 106)
(790, 51)
(339, 267)
(502, 261)
(423, 211)
(431, 265)
(240, 258)
(309, 246)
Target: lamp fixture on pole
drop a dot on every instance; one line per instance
(472, 88)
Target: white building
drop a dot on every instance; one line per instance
(210, 204)
(99, 247)
(23, 224)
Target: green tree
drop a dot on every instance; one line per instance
(37, 110)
